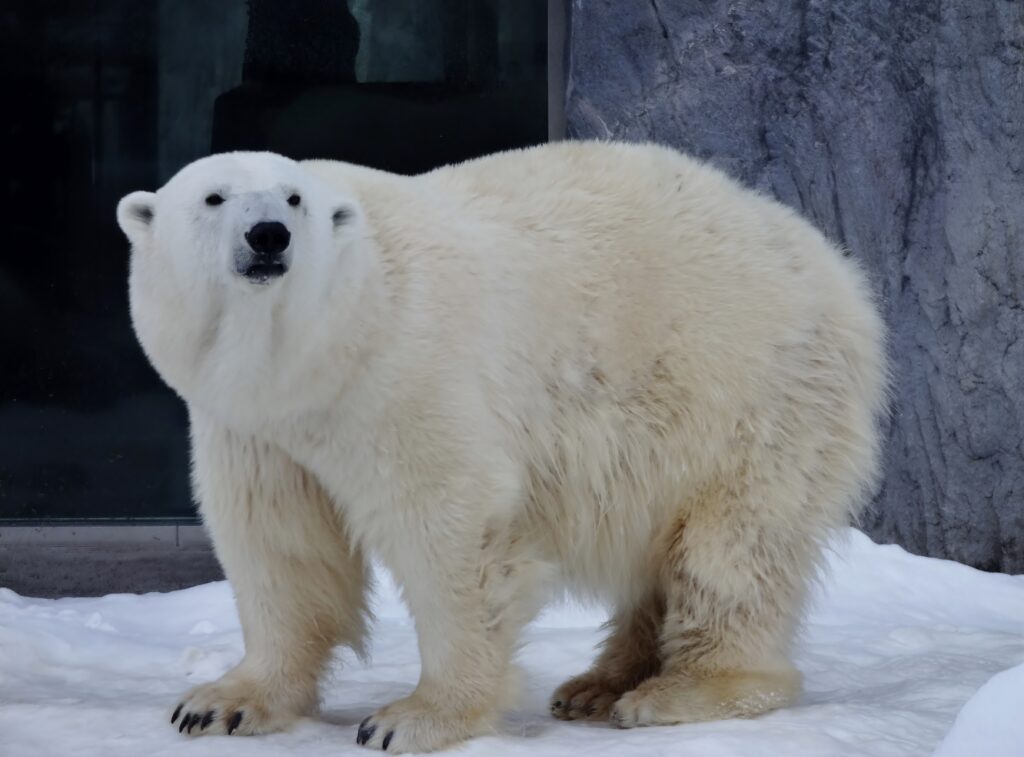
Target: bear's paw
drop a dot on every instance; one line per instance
(234, 705)
(415, 725)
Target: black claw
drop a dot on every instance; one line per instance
(207, 719)
(366, 732)
(387, 739)
(184, 721)
(177, 711)
(194, 721)
(233, 722)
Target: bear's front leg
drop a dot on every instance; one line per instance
(298, 583)
(471, 584)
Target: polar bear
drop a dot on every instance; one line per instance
(598, 367)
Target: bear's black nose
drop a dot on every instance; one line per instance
(268, 238)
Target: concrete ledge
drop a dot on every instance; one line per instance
(89, 534)
(92, 560)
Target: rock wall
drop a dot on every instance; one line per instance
(898, 128)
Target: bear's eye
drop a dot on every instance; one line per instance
(214, 199)
(294, 200)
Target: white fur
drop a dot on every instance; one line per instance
(594, 365)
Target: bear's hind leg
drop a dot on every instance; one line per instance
(298, 583)
(628, 657)
(734, 581)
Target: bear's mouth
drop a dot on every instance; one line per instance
(264, 271)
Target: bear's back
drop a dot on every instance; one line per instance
(613, 253)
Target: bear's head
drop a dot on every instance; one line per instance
(234, 255)
(243, 218)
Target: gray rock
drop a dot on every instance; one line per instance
(897, 128)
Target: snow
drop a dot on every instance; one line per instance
(894, 647)
(990, 722)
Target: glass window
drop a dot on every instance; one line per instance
(110, 96)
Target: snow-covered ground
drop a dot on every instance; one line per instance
(902, 655)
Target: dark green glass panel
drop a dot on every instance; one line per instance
(108, 96)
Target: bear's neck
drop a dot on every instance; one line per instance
(263, 361)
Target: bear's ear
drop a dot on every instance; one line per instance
(345, 215)
(135, 215)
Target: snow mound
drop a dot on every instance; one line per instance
(990, 724)
(894, 647)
